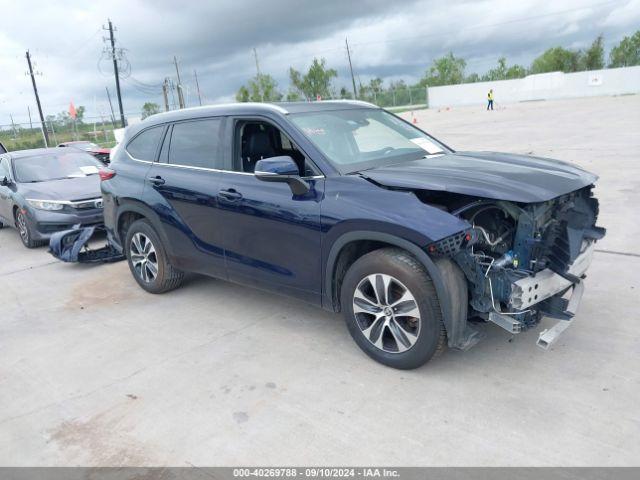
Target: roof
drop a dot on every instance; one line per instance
(250, 108)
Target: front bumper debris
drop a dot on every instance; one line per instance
(72, 246)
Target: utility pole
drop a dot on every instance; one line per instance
(180, 97)
(353, 80)
(165, 86)
(113, 117)
(35, 91)
(258, 78)
(195, 74)
(13, 127)
(115, 69)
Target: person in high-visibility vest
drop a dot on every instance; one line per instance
(490, 100)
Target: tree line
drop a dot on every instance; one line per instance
(317, 81)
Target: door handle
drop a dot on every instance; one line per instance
(157, 180)
(230, 194)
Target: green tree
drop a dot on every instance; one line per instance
(346, 93)
(503, 72)
(261, 88)
(148, 109)
(293, 96)
(447, 70)
(593, 57)
(80, 113)
(243, 94)
(472, 78)
(626, 53)
(316, 82)
(557, 59)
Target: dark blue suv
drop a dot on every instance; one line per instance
(349, 207)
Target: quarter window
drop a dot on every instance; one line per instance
(195, 144)
(145, 145)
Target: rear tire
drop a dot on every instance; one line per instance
(392, 309)
(148, 260)
(25, 232)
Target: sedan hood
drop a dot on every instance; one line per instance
(80, 188)
(500, 176)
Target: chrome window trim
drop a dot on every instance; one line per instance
(217, 170)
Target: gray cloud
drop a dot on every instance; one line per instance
(390, 39)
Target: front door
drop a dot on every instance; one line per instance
(271, 237)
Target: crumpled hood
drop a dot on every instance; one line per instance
(80, 188)
(500, 176)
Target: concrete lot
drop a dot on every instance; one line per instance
(93, 371)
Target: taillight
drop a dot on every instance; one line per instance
(106, 174)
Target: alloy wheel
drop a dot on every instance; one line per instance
(387, 313)
(143, 257)
(23, 229)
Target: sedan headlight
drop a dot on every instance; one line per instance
(46, 204)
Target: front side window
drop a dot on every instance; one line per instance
(145, 145)
(257, 140)
(196, 143)
(55, 166)
(357, 139)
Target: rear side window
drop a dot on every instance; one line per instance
(196, 144)
(145, 145)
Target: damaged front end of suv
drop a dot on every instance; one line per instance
(523, 261)
(529, 236)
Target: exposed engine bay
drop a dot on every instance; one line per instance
(523, 261)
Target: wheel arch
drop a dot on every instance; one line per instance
(131, 210)
(448, 280)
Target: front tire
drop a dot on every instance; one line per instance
(148, 260)
(26, 234)
(392, 309)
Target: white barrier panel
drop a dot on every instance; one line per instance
(543, 86)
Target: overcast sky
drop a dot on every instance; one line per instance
(390, 38)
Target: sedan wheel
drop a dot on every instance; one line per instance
(144, 258)
(23, 228)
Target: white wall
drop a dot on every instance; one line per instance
(544, 86)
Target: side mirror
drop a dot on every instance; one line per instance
(5, 182)
(281, 169)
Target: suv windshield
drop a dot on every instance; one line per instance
(55, 166)
(358, 139)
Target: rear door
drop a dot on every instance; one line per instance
(182, 187)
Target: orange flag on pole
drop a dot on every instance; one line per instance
(72, 111)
